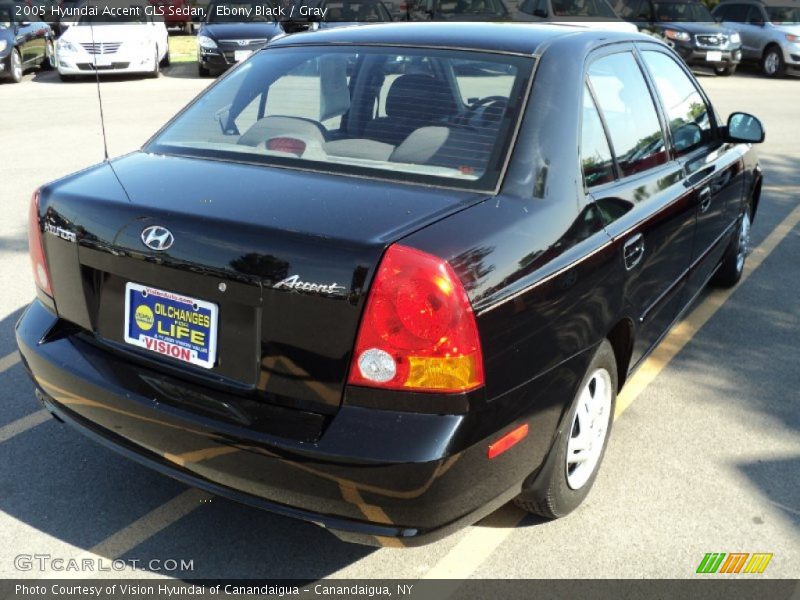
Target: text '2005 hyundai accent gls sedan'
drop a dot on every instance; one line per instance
(411, 268)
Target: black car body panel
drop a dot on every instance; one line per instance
(542, 261)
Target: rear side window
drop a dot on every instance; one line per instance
(627, 107)
(596, 160)
(736, 13)
(687, 113)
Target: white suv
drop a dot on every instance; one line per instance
(770, 32)
(129, 44)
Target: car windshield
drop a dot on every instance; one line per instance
(690, 12)
(367, 11)
(441, 117)
(582, 8)
(456, 8)
(784, 15)
(5, 17)
(259, 11)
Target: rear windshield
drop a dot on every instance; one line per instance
(693, 12)
(582, 8)
(432, 116)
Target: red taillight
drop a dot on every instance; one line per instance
(287, 144)
(418, 332)
(40, 273)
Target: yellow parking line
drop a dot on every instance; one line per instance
(483, 539)
(8, 361)
(150, 524)
(22, 425)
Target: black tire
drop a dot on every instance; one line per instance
(66, 78)
(203, 71)
(772, 63)
(167, 60)
(732, 266)
(725, 71)
(49, 61)
(550, 494)
(15, 67)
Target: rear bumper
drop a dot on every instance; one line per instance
(373, 476)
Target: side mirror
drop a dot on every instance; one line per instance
(745, 128)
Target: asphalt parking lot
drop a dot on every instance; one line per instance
(704, 456)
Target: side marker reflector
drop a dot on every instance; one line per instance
(509, 440)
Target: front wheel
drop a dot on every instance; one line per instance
(203, 71)
(16, 66)
(571, 468)
(732, 265)
(772, 64)
(156, 67)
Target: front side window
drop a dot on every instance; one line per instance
(428, 115)
(687, 113)
(784, 15)
(627, 107)
(596, 160)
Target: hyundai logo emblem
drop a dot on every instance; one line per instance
(156, 237)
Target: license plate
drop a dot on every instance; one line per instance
(171, 324)
(102, 61)
(240, 55)
(714, 56)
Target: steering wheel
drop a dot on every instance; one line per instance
(498, 103)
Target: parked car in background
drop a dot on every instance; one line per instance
(229, 34)
(175, 13)
(587, 13)
(457, 10)
(688, 27)
(25, 42)
(62, 23)
(770, 32)
(425, 288)
(339, 13)
(113, 45)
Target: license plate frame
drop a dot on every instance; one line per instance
(713, 56)
(155, 328)
(240, 55)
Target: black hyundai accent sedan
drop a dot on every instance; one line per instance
(389, 302)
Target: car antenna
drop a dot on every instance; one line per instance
(99, 95)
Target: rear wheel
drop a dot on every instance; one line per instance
(772, 63)
(49, 62)
(732, 266)
(16, 66)
(571, 468)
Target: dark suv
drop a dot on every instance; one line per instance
(689, 28)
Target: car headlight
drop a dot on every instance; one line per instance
(735, 38)
(795, 39)
(66, 47)
(3, 45)
(206, 42)
(680, 36)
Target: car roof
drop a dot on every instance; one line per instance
(516, 38)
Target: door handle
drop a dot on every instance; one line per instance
(633, 251)
(705, 199)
